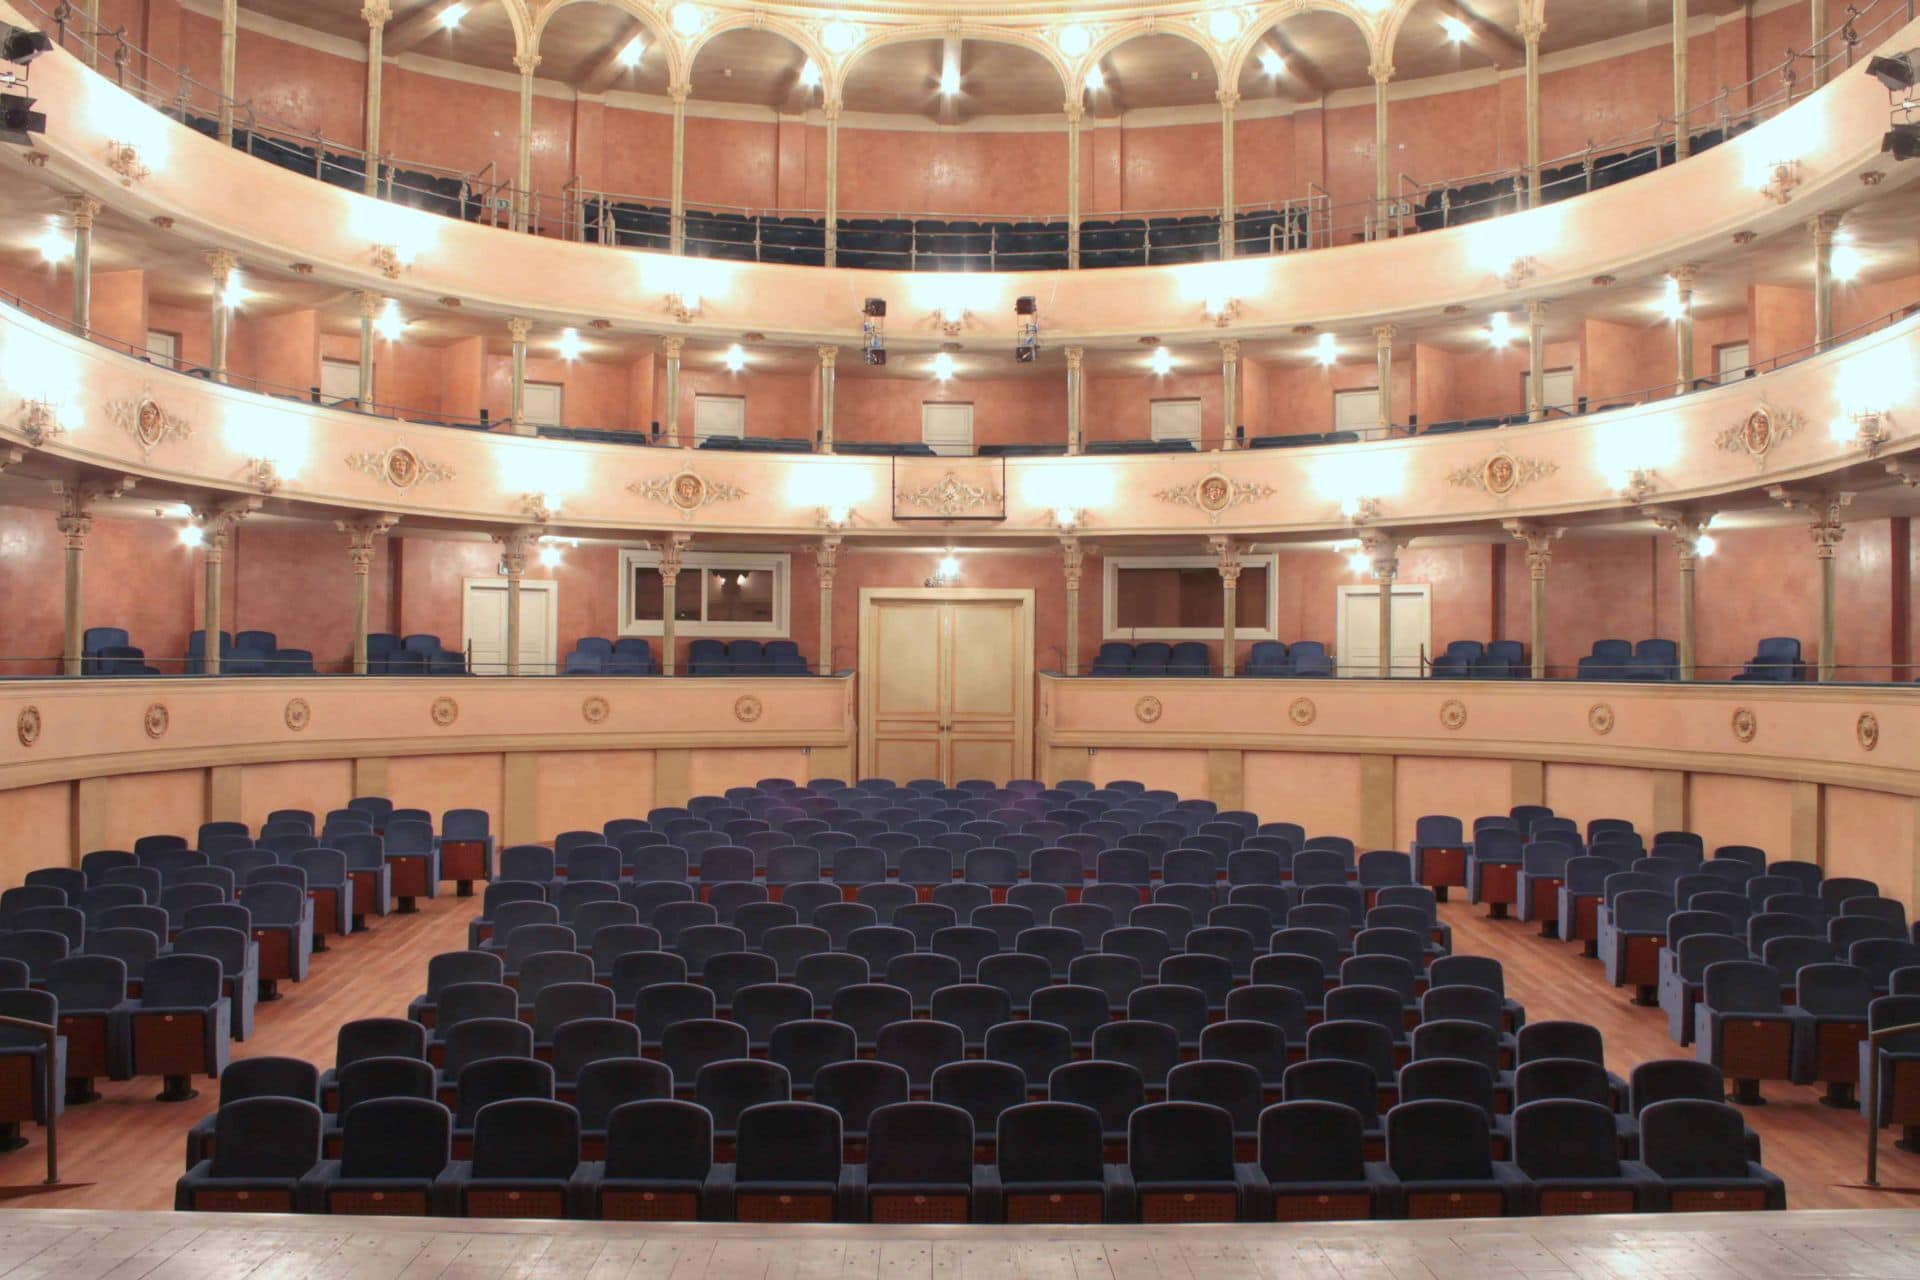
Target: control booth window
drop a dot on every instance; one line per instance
(723, 594)
(1180, 598)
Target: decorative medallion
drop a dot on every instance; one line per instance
(1745, 725)
(1453, 713)
(1302, 711)
(298, 714)
(1761, 431)
(1503, 473)
(1867, 729)
(399, 466)
(147, 422)
(686, 490)
(595, 710)
(747, 708)
(951, 498)
(1215, 494)
(444, 711)
(29, 726)
(1600, 718)
(156, 720)
(1148, 709)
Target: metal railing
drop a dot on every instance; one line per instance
(52, 1033)
(1873, 1095)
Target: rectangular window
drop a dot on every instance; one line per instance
(1181, 598)
(1730, 361)
(947, 428)
(726, 594)
(719, 416)
(1356, 410)
(163, 348)
(339, 381)
(1174, 420)
(543, 404)
(1557, 392)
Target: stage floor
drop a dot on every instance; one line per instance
(83, 1245)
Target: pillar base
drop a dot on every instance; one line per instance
(1840, 1097)
(178, 1089)
(1746, 1093)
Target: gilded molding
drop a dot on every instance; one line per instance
(595, 710)
(1503, 474)
(951, 497)
(298, 715)
(1215, 494)
(1761, 432)
(1600, 718)
(156, 720)
(1453, 714)
(399, 466)
(444, 712)
(687, 491)
(1867, 730)
(747, 708)
(1302, 712)
(148, 422)
(1148, 709)
(1745, 724)
(28, 726)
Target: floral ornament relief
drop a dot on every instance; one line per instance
(28, 726)
(686, 491)
(1453, 713)
(298, 714)
(1867, 730)
(1761, 432)
(399, 466)
(1215, 494)
(1302, 711)
(1745, 724)
(595, 710)
(1148, 709)
(1600, 718)
(952, 497)
(444, 711)
(148, 422)
(1502, 474)
(156, 720)
(747, 708)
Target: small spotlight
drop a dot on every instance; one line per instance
(1457, 31)
(1272, 63)
(1095, 80)
(550, 555)
(949, 81)
(234, 293)
(21, 45)
(1499, 330)
(1897, 74)
(1223, 25)
(1026, 306)
(736, 358)
(1846, 262)
(838, 36)
(631, 54)
(1705, 545)
(1902, 142)
(1325, 351)
(876, 356)
(1358, 563)
(54, 247)
(810, 75)
(19, 121)
(570, 347)
(1074, 41)
(389, 324)
(451, 16)
(949, 567)
(874, 308)
(943, 367)
(192, 535)
(1161, 361)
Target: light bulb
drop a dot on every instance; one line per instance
(1272, 63)
(1845, 262)
(1074, 41)
(687, 19)
(1325, 351)
(839, 36)
(1457, 31)
(838, 515)
(53, 246)
(1705, 545)
(943, 367)
(1223, 25)
(192, 535)
(740, 581)
(389, 324)
(736, 358)
(1358, 563)
(550, 555)
(451, 15)
(1669, 304)
(1065, 517)
(234, 292)
(1161, 362)
(949, 566)
(1499, 329)
(949, 80)
(810, 75)
(570, 347)
(1095, 80)
(631, 54)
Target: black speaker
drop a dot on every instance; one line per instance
(1902, 142)
(21, 45)
(874, 308)
(18, 119)
(1026, 306)
(1023, 354)
(876, 355)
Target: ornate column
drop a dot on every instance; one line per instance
(1383, 336)
(527, 63)
(672, 347)
(518, 327)
(1226, 553)
(1683, 325)
(1381, 72)
(1074, 111)
(1530, 31)
(1539, 542)
(378, 14)
(84, 210)
(1828, 530)
(671, 547)
(1076, 379)
(1536, 360)
(75, 522)
(1384, 552)
(229, 54)
(215, 526)
(677, 229)
(1229, 390)
(1229, 98)
(361, 536)
(1682, 143)
(1822, 228)
(1072, 561)
(1686, 531)
(513, 558)
(370, 303)
(223, 265)
(829, 357)
(832, 112)
(826, 558)
(1817, 11)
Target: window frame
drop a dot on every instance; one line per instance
(736, 404)
(1110, 598)
(779, 564)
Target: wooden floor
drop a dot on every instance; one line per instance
(125, 1151)
(70, 1245)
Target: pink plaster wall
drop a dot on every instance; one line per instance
(1005, 410)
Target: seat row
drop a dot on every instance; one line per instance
(1470, 659)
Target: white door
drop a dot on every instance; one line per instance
(163, 349)
(485, 626)
(1731, 361)
(1356, 410)
(339, 380)
(1175, 420)
(542, 404)
(719, 416)
(1359, 630)
(1558, 389)
(947, 428)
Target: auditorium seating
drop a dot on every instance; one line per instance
(598, 656)
(707, 657)
(1652, 659)
(1270, 658)
(1777, 659)
(1470, 659)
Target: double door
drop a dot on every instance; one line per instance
(946, 684)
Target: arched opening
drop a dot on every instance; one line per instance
(749, 146)
(1303, 132)
(1151, 141)
(614, 132)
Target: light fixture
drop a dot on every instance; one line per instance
(1782, 177)
(1845, 263)
(234, 292)
(192, 535)
(839, 36)
(1457, 31)
(1096, 81)
(687, 18)
(1862, 428)
(54, 247)
(570, 347)
(1066, 518)
(1705, 545)
(1074, 41)
(736, 358)
(1897, 74)
(550, 555)
(1902, 141)
(947, 571)
(810, 75)
(631, 53)
(1325, 351)
(943, 366)
(390, 324)
(1223, 25)
(1670, 305)
(1272, 63)
(1499, 330)
(949, 80)
(1161, 361)
(740, 580)
(684, 303)
(451, 15)
(1358, 563)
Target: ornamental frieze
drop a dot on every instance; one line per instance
(1761, 432)
(1503, 474)
(687, 491)
(1215, 494)
(950, 498)
(399, 466)
(148, 422)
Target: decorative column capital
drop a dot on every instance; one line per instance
(1682, 276)
(1537, 311)
(378, 13)
(75, 520)
(84, 210)
(361, 534)
(1384, 334)
(1075, 355)
(1531, 29)
(1075, 111)
(1073, 559)
(672, 545)
(1822, 227)
(829, 356)
(518, 327)
(528, 63)
(74, 526)
(370, 303)
(513, 548)
(217, 522)
(1226, 556)
(1228, 99)
(1685, 530)
(1539, 540)
(681, 90)
(1383, 550)
(671, 347)
(1381, 71)
(1230, 350)
(831, 109)
(1829, 530)
(826, 559)
(222, 264)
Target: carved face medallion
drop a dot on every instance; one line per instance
(1501, 477)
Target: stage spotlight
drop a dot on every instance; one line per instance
(1902, 142)
(21, 45)
(874, 308)
(1027, 344)
(1898, 74)
(876, 355)
(18, 120)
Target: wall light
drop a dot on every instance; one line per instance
(1074, 41)
(1845, 263)
(949, 80)
(1096, 81)
(1499, 330)
(1066, 518)
(1272, 63)
(192, 535)
(1705, 545)
(570, 347)
(1223, 25)
(943, 367)
(631, 54)
(1325, 351)
(1670, 305)
(810, 75)
(550, 555)
(838, 36)
(1161, 361)
(233, 294)
(946, 572)
(736, 358)
(451, 16)
(1357, 562)
(687, 19)
(1457, 31)
(54, 247)
(390, 324)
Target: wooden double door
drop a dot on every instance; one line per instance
(946, 683)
